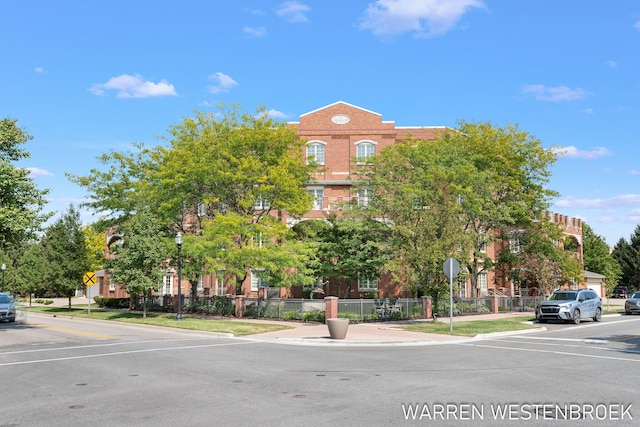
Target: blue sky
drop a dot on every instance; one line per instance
(86, 77)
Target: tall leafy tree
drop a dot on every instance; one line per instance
(117, 192)
(414, 194)
(95, 241)
(543, 259)
(32, 267)
(348, 249)
(457, 194)
(66, 252)
(140, 260)
(627, 253)
(598, 257)
(233, 173)
(504, 190)
(21, 202)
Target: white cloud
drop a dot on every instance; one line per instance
(255, 31)
(275, 114)
(128, 86)
(619, 201)
(293, 11)
(634, 172)
(253, 11)
(425, 18)
(39, 70)
(637, 25)
(555, 94)
(612, 64)
(223, 83)
(38, 172)
(573, 152)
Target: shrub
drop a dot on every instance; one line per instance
(353, 317)
(313, 316)
(108, 302)
(291, 315)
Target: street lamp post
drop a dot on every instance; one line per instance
(179, 244)
(4, 267)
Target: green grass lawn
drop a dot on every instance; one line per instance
(235, 327)
(472, 328)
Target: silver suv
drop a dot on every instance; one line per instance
(570, 305)
(7, 308)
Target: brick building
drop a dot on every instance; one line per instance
(338, 136)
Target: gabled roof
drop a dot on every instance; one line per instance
(343, 103)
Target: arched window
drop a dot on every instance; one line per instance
(315, 152)
(364, 150)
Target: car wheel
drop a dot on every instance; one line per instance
(576, 317)
(598, 316)
(542, 320)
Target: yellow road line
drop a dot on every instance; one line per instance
(76, 332)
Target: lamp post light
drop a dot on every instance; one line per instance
(179, 245)
(4, 267)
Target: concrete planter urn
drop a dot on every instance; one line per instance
(338, 328)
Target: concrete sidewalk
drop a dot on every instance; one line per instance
(371, 334)
(374, 334)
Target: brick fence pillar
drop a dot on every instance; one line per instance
(239, 306)
(331, 310)
(494, 304)
(427, 307)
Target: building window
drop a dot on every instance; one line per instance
(364, 197)
(201, 283)
(364, 150)
(257, 240)
(367, 284)
(167, 289)
(318, 197)
(257, 282)
(112, 286)
(515, 245)
(315, 153)
(482, 283)
(220, 284)
(462, 288)
(261, 204)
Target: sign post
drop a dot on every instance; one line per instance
(89, 279)
(451, 270)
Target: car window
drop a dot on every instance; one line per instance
(561, 296)
(636, 295)
(4, 299)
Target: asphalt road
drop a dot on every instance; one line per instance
(76, 372)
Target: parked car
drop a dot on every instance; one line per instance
(570, 305)
(632, 305)
(621, 291)
(7, 308)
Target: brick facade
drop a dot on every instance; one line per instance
(337, 130)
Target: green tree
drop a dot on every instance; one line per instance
(21, 202)
(32, 268)
(627, 253)
(504, 189)
(95, 241)
(414, 194)
(598, 257)
(224, 180)
(543, 258)
(66, 253)
(140, 257)
(348, 249)
(119, 191)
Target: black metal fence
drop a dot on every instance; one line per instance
(357, 310)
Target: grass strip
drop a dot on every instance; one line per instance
(235, 327)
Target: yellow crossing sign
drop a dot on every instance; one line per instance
(89, 278)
